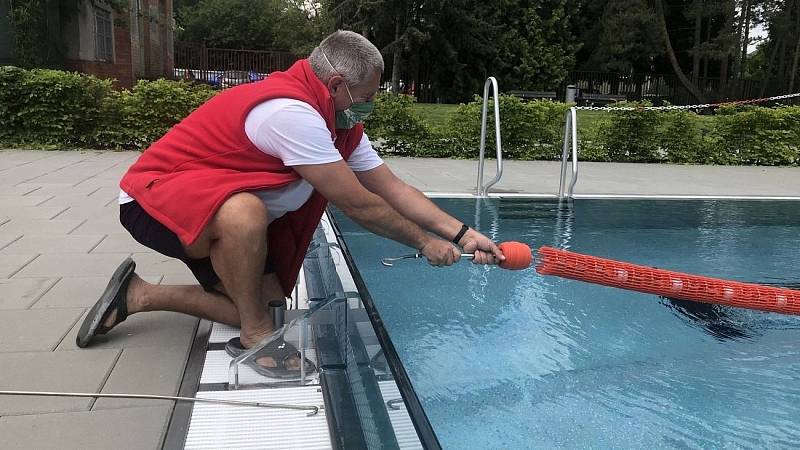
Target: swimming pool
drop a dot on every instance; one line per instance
(503, 359)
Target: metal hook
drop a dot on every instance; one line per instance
(388, 261)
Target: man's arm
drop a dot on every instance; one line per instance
(415, 206)
(336, 182)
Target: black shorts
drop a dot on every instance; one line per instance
(152, 234)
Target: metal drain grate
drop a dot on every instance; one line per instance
(222, 426)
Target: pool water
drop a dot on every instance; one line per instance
(503, 359)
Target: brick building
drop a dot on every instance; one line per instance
(96, 37)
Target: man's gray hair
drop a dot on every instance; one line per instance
(351, 54)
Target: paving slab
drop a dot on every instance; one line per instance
(35, 212)
(41, 226)
(97, 210)
(149, 329)
(180, 280)
(77, 292)
(47, 244)
(13, 159)
(68, 197)
(164, 371)
(105, 223)
(542, 177)
(72, 265)
(11, 263)
(122, 429)
(35, 329)
(154, 263)
(10, 202)
(120, 243)
(19, 189)
(6, 239)
(23, 292)
(52, 190)
(74, 371)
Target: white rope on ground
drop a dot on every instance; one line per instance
(677, 107)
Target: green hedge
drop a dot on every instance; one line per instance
(534, 131)
(54, 109)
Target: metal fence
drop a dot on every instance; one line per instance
(660, 88)
(198, 62)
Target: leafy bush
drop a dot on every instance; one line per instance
(53, 109)
(631, 135)
(528, 130)
(679, 138)
(11, 80)
(49, 107)
(151, 108)
(394, 126)
(760, 136)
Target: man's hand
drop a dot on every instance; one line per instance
(486, 252)
(440, 252)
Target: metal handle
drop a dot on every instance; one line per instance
(570, 143)
(388, 262)
(313, 410)
(482, 189)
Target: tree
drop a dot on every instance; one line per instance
(441, 44)
(536, 47)
(691, 87)
(625, 38)
(277, 25)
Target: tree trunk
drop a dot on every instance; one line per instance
(796, 48)
(671, 53)
(726, 53)
(782, 64)
(705, 55)
(398, 56)
(746, 40)
(737, 53)
(768, 71)
(743, 58)
(698, 27)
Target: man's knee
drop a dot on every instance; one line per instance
(243, 213)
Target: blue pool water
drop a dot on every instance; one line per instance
(505, 359)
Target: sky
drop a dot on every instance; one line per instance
(756, 32)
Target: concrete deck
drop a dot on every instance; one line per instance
(60, 240)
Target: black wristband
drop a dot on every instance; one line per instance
(460, 234)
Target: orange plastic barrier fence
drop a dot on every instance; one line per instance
(676, 285)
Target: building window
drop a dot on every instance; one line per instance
(104, 42)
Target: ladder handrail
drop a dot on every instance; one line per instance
(570, 140)
(482, 189)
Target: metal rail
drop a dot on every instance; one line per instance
(482, 190)
(570, 143)
(313, 410)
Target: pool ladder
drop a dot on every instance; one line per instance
(483, 189)
(570, 146)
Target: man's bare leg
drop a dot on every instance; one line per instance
(236, 241)
(193, 300)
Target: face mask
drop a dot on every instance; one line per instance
(356, 113)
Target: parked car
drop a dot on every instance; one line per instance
(231, 78)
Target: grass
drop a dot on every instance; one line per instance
(435, 114)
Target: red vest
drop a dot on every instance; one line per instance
(184, 177)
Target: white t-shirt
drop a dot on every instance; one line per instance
(295, 133)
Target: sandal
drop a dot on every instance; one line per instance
(277, 349)
(114, 298)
